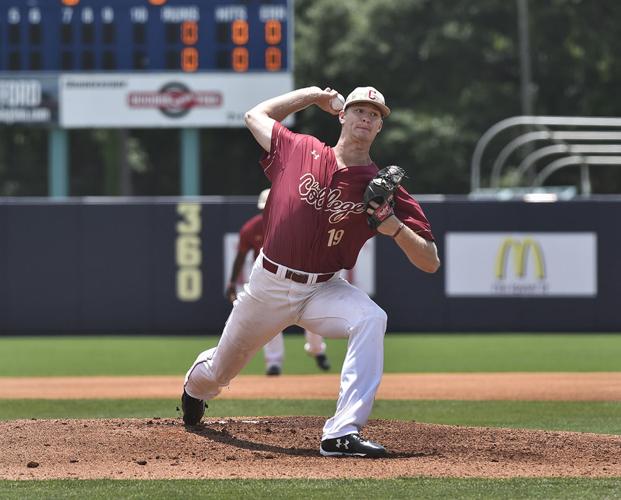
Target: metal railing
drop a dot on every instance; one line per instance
(568, 161)
(609, 147)
(561, 138)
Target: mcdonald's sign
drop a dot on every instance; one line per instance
(538, 264)
(522, 250)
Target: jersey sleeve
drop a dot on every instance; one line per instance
(245, 239)
(411, 214)
(283, 142)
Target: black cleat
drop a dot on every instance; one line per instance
(193, 409)
(322, 362)
(351, 445)
(273, 370)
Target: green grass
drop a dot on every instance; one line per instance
(420, 488)
(71, 356)
(78, 356)
(597, 417)
(503, 353)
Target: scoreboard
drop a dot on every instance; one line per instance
(145, 35)
(142, 63)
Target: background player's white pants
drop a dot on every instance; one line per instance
(274, 350)
(333, 309)
(314, 343)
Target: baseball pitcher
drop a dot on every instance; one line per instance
(324, 203)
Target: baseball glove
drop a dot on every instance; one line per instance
(381, 189)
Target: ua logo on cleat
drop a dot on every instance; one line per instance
(345, 444)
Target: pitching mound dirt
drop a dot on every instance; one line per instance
(287, 447)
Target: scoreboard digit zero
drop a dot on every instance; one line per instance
(128, 36)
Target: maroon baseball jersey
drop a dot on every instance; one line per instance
(314, 219)
(251, 235)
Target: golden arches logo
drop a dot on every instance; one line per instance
(521, 251)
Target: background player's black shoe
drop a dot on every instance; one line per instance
(322, 362)
(273, 370)
(193, 409)
(351, 445)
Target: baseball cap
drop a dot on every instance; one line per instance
(368, 94)
(263, 198)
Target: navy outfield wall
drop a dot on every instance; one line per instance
(156, 266)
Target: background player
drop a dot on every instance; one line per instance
(315, 224)
(251, 238)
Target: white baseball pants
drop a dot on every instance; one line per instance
(333, 309)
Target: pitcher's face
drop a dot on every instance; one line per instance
(361, 121)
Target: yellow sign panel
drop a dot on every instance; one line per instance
(521, 250)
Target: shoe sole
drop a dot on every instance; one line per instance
(344, 454)
(192, 423)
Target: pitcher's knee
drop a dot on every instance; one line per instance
(379, 317)
(374, 320)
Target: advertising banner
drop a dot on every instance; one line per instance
(521, 264)
(165, 99)
(29, 100)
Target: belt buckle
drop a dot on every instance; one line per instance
(299, 277)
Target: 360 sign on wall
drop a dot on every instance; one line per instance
(188, 252)
(521, 264)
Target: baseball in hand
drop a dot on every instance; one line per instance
(337, 102)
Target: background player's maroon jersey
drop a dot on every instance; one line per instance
(326, 225)
(251, 235)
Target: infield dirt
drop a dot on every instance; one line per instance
(287, 447)
(594, 386)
